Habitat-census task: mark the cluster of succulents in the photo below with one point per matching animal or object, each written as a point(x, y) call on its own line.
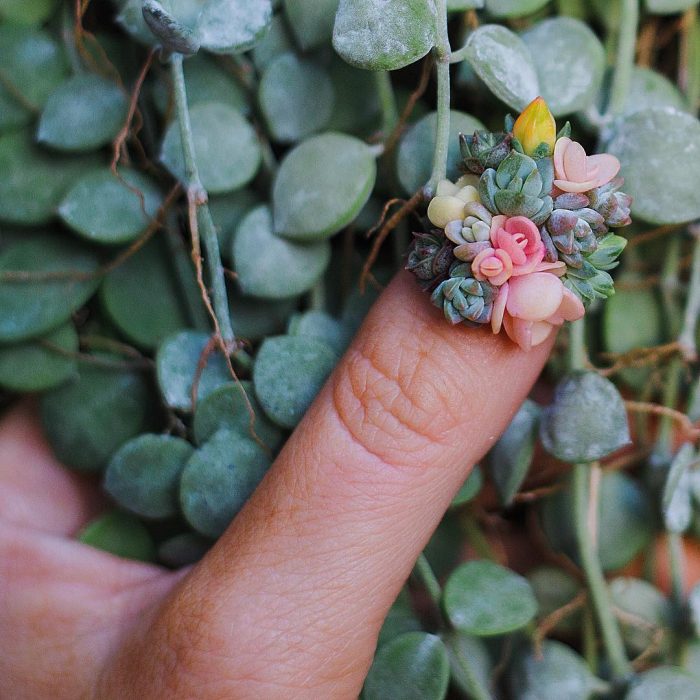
point(522, 240)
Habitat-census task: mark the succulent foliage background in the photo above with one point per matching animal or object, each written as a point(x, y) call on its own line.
point(199, 200)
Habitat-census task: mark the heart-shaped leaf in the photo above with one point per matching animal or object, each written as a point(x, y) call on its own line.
point(120, 534)
point(470, 488)
point(311, 22)
point(664, 682)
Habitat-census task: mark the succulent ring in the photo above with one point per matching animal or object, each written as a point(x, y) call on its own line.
point(522, 242)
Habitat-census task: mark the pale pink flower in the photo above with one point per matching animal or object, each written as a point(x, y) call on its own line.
point(516, 249)
point(574, 171)
point(529, 307)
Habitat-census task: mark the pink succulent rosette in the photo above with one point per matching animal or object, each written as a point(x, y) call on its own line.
point(574, 171)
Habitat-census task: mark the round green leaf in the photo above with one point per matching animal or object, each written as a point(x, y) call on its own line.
point(311, 22)
point(484, 599)
point(319, 324)
point(39, 364)
point(226, 147)
point(553, 589)
point(227, 211)
point(260, 256)
point(511, 456)
point(89, 418)
point(415, 154)
point(105, 208)
point(287, 375)
point(555, 674)
point(143, 475)
point(312, 197)
point(82, 113)
point(26, 11)
point(356, 105)
point(651, 89)
point(664, 682)
point(400, 619)
point(218, 479)
point(227, 26)
point(296, 97)
point(474, 681)
point(470, 488)
point(625, 521)
point(176, 367)
point(668, 7)
point(227, 407)
point(120, 534)
point(254, 319)
point(513, 8)
point(32, 63)
point(651, 144)
point(275, 42)
point(586, 420)
point(504, 62)
point(384, 34)
point(31, 308)
point(183, 550)
point(569, 60)
point(413, 666)
point(142, 296)
point(33, 182)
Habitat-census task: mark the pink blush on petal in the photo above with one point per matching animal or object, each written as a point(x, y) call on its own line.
point(575, 162)
point(559, 148)
point(607, 165)
point(519, 331)
point(568, 186)
point(571, 308)
point(534, 297)
point(499, 307)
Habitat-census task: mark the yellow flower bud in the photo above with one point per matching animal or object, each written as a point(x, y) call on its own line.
point(535, 126)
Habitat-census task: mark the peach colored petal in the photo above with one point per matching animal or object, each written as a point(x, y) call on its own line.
point(557, 268)
point(532, 262)
point(559, 148)
point(569, 186)
point(534, 297)
point(523, 225)
point(539, 332)
point(571, 308)
point(575, 162)
point(518, 331)
point(499, 307)
point(505, 272)
point(608, 166)
point(497, 223)
point(505, 241)
point(476, 263)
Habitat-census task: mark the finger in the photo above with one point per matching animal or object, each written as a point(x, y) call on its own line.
point(290, 601)
point(35, 490)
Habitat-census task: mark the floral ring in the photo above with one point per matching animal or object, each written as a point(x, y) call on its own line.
point(522, 242)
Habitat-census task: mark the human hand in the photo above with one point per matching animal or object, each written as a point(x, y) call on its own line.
point(290, 600)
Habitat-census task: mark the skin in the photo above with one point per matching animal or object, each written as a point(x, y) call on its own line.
point(289, 602)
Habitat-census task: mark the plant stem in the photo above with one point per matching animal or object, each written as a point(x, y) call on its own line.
point(597, 586)
point(578, 357)
point(624, 61)
point(692, 307)
point(197, 194)
point(442, 135)
point(677, 565)
point(464, 673)
point(590, 651)
point(387, 102)
point(425, 573)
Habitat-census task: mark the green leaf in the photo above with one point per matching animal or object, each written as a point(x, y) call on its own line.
point(648, 614)
point(694, 608)
point(384, 34)
point(218, 479)
point(254, 319)
point(226, 147)
point(312, 198)
point(311, 22)
point(143, 475)
point(625, 521)
point(82, 114)
point(586, 420)
point(470, 488)
point(668, 7)
point(33, 181)
point(183, 550)
point(504, 62)
point(39, 364)
point(232, 26)
point(554, 588)
point(414, 161)
point(275, 42)
point(173, 36)
point(142, 296)
point(463, 5)
point(271, 267)
point(664, 682)
point(88, 419)
point(356, 105)
point(32, 63)
point(287, 375)
point(296, 97)
point(31, 308)
point(511, 456)
point(177, 361)
point(513, 8)
point(570, 62)
point(399, 620)
point(106, 209)
point(651, 144)
point(557, 674)
point(413, 666)
point(470, 664)
point(677, 496)
point(228, 211)
point(26, 11)
point(319, 324)
point(651, 89)
point(120, 534)
point(484, 599)
point(229, 407)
